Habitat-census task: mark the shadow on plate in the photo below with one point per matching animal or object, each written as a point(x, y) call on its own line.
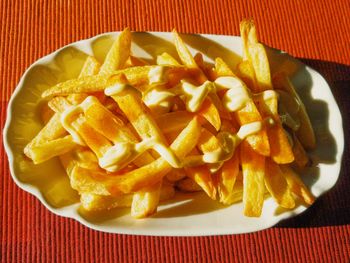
point(333, 207)
point(187, 204)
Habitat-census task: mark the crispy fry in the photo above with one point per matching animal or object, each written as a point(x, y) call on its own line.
point(166, 59)
point(226, 179)
point(280, 148)
point(135, 62)
point(47, 150)
point(297, 186)
point(277, 185)
point(305, 133)
point(249, 113)
point(91, 67)
point(248, 34)
point(260, 62)
point(145, 201)
point(206, 68)
point(253, 168)
point(154, 172)
point(236, 195)
point(259, 141)
point(201, 175)
point(137, 76)
point(185, 55)
point(52, 130)
point(93, 202)
point(222, 69)
point(209, 112)
point(118, 54)
point(245, 71)
point(173, 121)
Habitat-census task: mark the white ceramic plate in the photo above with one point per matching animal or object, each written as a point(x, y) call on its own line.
point(187, 215)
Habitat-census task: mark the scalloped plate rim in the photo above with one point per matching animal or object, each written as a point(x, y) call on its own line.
point(67, 212)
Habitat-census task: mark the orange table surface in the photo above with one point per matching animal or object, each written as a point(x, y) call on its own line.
point(317, 32)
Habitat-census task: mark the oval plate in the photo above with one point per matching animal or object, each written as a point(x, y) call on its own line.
point(187, 214)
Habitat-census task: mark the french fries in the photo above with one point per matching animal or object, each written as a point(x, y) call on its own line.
point(131, 133)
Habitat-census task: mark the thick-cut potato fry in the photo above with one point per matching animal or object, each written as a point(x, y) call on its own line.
point(47, 150)
point(255, 53)
point(166, 59)
point(209, 112)
point(208, 142)
point(258, 141)
point(183, 52)
point(202, 176)
point(249, 113)
point(144, 123)
point(154, 172)
point(260, 62)
point(145, 201)
point(185, 55)
point(245, 71)
point(97, 116)
point(51, 131)
point(297, 186)
point(280, 148)
point(206, 68)
point(222, 69)
point(94, 181)
point(91, 67)
point(237, 193)
point(137, 76)
point(93, 202)
point(81, 156)
point(135, 62)
point(188, 185)
point(96, 142)
point(305, 133)
point(173, 121)
point(226, 179)
point(277, 185)
point(253, 168)
point(248, 35)
point(118, 54)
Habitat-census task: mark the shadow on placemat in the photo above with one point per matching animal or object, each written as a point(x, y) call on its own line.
point(333, 208)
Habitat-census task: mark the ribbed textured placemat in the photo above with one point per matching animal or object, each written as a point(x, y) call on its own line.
point(318, 32)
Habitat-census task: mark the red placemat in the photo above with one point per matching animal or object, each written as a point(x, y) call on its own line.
point(318, 32)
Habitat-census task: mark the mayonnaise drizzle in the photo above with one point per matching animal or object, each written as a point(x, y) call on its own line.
point(155, 99)
point(237, 95)
point(121, 154)
point(67, 118)
point(195, 95)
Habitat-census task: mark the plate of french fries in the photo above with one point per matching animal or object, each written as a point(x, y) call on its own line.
point(171, 134)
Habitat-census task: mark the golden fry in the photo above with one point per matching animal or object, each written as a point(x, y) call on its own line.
point(277, 185)
point(253, 168)
point(118, 54)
